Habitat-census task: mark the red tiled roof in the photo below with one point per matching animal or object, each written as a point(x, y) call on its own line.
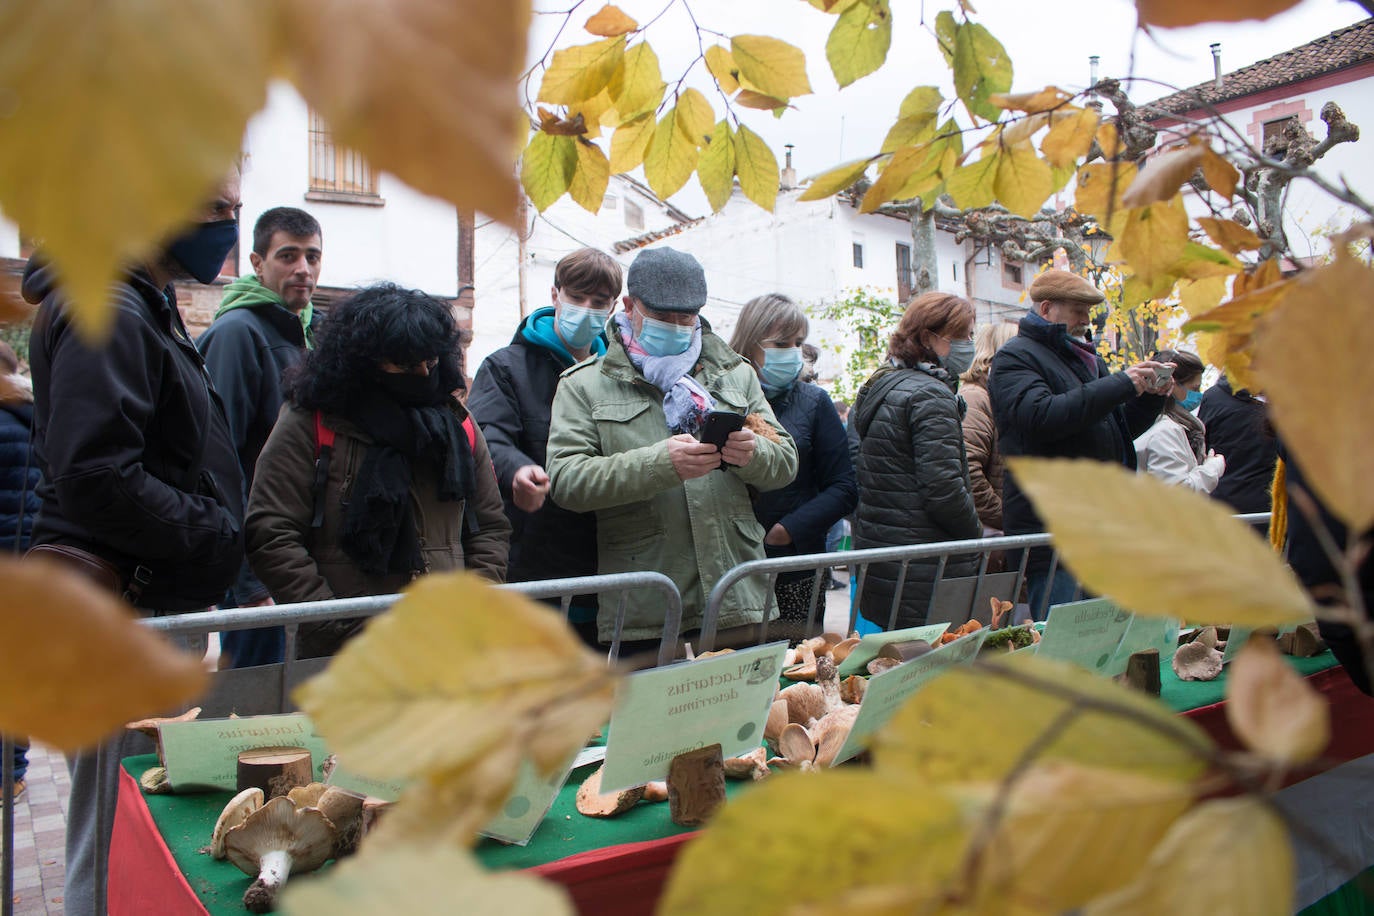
point(639, 241)
point(1342, 48)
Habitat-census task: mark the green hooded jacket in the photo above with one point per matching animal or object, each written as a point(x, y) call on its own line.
point(247, 292)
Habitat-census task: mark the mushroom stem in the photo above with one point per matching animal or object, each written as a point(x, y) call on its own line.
point(273, 870)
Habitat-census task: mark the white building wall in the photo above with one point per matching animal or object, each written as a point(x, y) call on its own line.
point(9, 239)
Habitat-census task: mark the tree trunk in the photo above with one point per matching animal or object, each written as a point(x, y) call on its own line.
point(925, 267)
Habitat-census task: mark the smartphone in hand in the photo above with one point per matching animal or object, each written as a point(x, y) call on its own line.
point(1164, 375)
point(718, 426)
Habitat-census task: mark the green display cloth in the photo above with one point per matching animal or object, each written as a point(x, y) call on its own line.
point(1354, 898)
point(185, 821)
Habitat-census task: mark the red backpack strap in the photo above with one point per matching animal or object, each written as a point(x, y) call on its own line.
point(324, 449)
point(471, 431)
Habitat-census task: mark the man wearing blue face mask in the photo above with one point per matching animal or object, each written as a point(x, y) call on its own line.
point(141, 486)
point(511, 399)
point(622, 444)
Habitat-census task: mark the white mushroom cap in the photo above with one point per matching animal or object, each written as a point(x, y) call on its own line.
point(1197, 661)
point(234, 813)
point(303, 833)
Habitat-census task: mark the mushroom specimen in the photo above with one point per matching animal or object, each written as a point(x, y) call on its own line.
point(274, 841)
point(234, 813)
point(592, 802)
point(1197, 661)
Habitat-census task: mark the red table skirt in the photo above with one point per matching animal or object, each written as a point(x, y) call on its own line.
point(623, 880)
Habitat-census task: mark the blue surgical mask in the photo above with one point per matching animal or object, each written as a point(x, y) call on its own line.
point(663, 338)
point(578, 325)
point(1192, 400)
point(960, 356)
point(203, 248)
point(781, 366)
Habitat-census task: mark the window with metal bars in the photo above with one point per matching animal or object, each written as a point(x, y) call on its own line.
point(336, 169)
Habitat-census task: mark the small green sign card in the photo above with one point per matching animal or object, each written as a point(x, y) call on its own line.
point(530, 799)
point(870, 645)
point(889, 690)
point(663, 712)
point(1086, 633)
point(202, 755)
point(1158, 633)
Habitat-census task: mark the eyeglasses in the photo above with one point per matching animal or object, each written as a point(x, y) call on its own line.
point(970, 337)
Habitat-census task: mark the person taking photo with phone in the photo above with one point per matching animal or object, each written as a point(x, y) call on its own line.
point(1174, 448)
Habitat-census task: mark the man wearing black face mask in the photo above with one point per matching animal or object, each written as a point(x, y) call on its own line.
point(141, 489)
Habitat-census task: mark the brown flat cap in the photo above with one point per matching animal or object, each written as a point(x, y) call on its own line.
point(1062, 286)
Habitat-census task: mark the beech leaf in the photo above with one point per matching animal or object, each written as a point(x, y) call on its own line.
point(1231, 855)
point(982, 69)
point(971, 185)
point(76, 172)
point(1172, 14)
point(906, 164)
point(1047, 99)
point(671, 157)
point(722, 65)
point(694, 116)
point(1221, 570)
point(835, 180)
point(772, 66)
point(1272, 708)
point(1109, 141)
point(547, 167)
point(1070, 137)
point(1099, 189)
point(1230, 234)
point(1153, 238)
point(610, 21)
point(756, 167)
point(581, 71)
point(716, 167)
point(637, 86)
point(593, 174)
point(75, 664)
point(1309, 344)
point(421, 878)
point(629, 143)
point(1023, 181)
point(748, 98)
point(1163, 176)
point(859, 41)
point(1220, 174)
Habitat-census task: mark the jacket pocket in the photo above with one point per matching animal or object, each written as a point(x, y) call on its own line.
point(749, 529)
point(624, 425)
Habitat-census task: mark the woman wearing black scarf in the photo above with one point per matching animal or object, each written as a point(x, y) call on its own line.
point(1174, 449)
point(406, 486)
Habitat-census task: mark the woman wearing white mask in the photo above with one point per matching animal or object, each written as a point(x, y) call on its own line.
point(770, 334)
point(1174, 449)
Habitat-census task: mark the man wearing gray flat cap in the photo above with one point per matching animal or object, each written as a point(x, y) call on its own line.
point(623, 443)
point(1054, 397)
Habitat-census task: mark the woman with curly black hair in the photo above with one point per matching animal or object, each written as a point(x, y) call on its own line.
point(374, 474)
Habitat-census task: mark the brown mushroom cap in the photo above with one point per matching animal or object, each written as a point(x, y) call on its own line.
point(304, 833)
point(234, 813)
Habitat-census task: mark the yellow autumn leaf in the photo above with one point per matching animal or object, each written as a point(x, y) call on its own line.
point(1230, 234)
point(1153, 238)
point(1201, 261)
point(1231, 855)
point(756, 167)
point(982, 69)
point(833, 181)
point(772, 66)
point(1071, 137)
point(629, 143)
point(1047, 99)
point(547, 167)
point(1070, 833)
point(581, 71)
point(1163, 176)
point(448, 127)
point(721, 63)
point(637, 85)
point(1023, 181)
point(670, 158)
point(593, 174)
point(1099, 189)
point(975, 724)
point(120, 121)
point(1220, 174)
point(748, 98)
point(1273, 709)
point(596, 112)
point(859, 41)
point(971, 185)
point(75, 665)
point(1172, 14)
point(1249, 300)
point(1013, 133)
point(1135, 291)
point(1109, 140)
point(424, 689)
point(694, 116)
point(1320, 408)
point(908, 132)
point(1220, 569)
point(716, 167)
point(749, 860)
point(610, 21)
point(1198, 296)
point(907, 163)
point(422, 880)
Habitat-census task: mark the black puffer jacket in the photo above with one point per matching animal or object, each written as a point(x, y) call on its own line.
point(1047, 402)
point(511, 399)
point(19, 478)
point(913, 484)
point(1238, 430)
point(119, 428)
point(824, 490)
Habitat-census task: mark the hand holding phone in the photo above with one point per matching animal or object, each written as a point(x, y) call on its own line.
point(718, 426)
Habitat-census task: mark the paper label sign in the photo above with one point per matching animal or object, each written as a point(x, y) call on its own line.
point(870, 645)
point(385, 789)
point(1086, 633)
point(886, 692)
point(202, 755)
point(1235, 641)
point(528, 802)
point(1142, 634)
point(663, 712)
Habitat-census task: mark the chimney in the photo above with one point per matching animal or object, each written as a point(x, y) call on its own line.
point(1092, 71)
point(789, 174)
point(1216, 65)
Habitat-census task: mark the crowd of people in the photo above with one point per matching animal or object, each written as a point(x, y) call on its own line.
point(289, 455)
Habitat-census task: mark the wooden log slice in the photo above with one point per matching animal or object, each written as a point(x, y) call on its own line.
point(696, 786)
point(275, 770)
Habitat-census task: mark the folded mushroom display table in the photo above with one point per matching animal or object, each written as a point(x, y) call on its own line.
point(618, 866)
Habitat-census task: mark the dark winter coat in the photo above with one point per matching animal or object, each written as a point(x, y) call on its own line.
point(19, 478)
point(119, 429)
point(512, 399)
point(913, 484)
point(298, 562)
point(825, 489)
point(1047, 402)
point(1238, 431)
point(246, 351)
